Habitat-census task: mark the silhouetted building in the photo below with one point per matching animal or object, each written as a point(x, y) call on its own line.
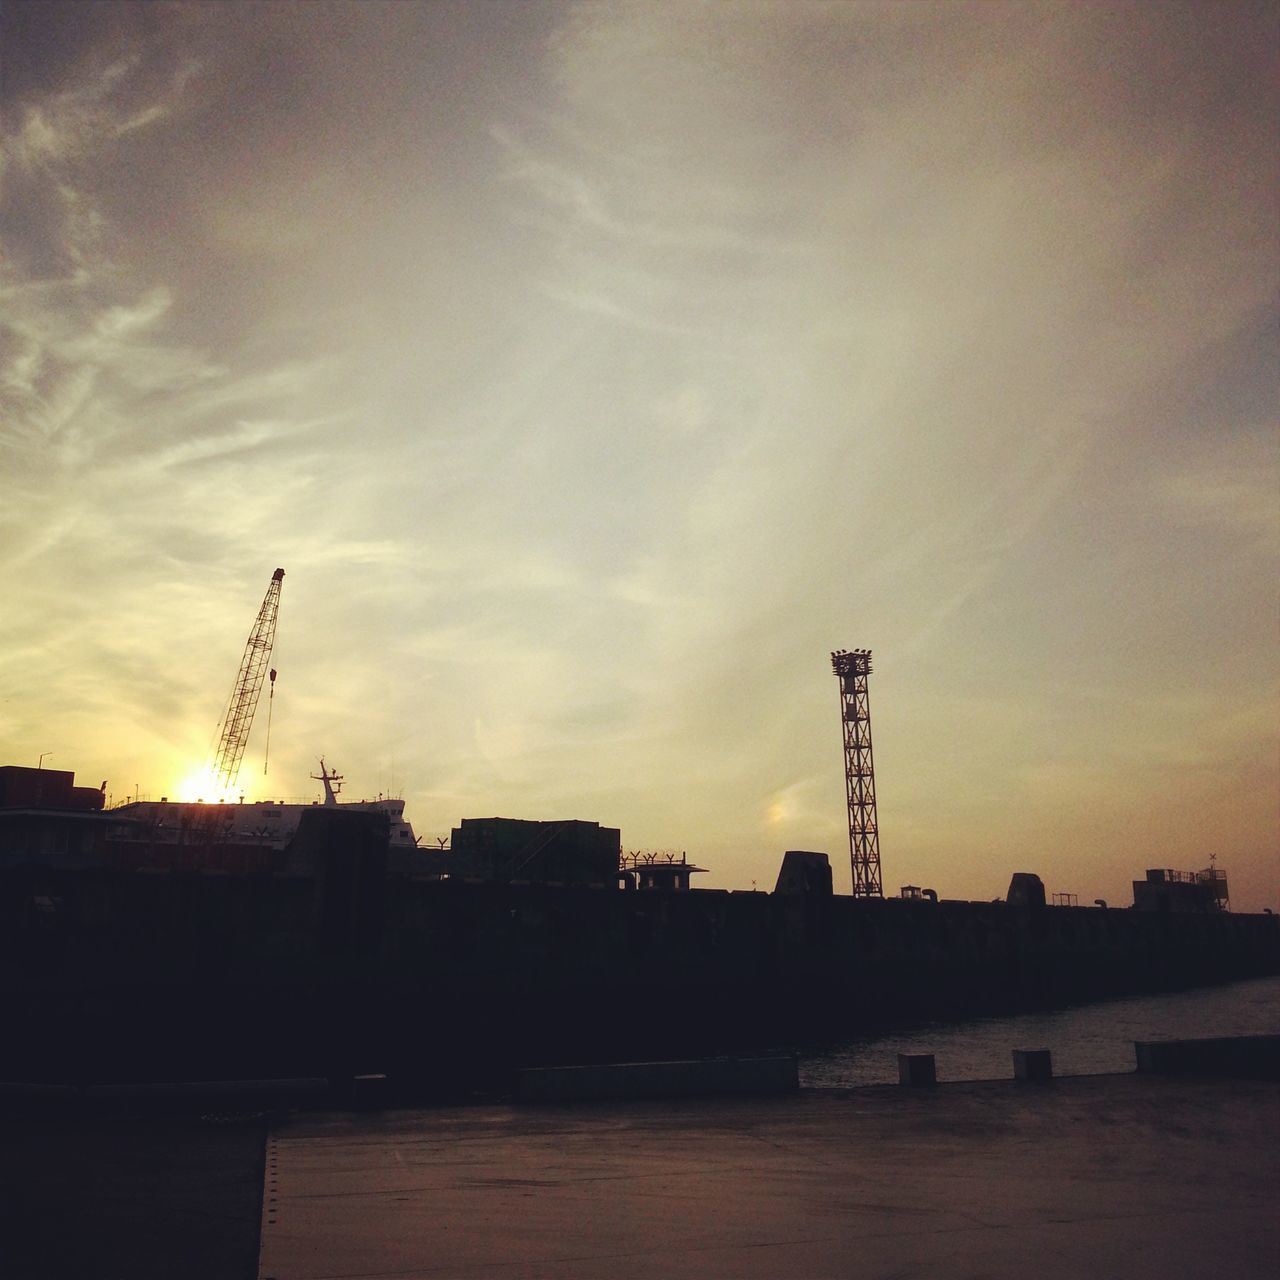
point(513, 849)
point(46, 789)
point(804, 872)
point(46, 818)
point(654, 870)
point(1026, 889)
point(1181, 891)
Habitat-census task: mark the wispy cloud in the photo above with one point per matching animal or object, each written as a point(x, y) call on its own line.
point(1231, 489)
point(591, 394)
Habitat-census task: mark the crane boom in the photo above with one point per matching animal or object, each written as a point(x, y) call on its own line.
point(247, 688)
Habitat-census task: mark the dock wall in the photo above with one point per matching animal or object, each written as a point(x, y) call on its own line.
point(342, 968)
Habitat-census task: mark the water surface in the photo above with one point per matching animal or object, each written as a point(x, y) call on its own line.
point(1084, 1040)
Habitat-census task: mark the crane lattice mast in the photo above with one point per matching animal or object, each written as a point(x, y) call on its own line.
point(248, 687)
point(853, 668)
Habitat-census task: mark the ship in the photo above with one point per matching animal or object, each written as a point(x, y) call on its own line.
point(45, 817)
point(248, 835)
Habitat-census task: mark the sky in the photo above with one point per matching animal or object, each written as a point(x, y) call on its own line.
point(594, 370)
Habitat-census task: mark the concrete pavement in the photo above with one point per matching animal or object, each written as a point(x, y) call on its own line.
point(1123, 1176)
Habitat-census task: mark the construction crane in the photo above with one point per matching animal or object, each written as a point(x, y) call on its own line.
point(247, 689)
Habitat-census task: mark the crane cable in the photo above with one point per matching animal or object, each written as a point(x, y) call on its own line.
point(271, 698)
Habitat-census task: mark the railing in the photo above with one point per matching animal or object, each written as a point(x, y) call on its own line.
point(213, 804)
point(637, 859)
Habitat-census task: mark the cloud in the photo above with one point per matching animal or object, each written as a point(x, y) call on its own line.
point(594, 370)
point(1230, 489)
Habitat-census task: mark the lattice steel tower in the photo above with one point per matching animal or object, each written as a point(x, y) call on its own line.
point(853, 667)
point(238, 719)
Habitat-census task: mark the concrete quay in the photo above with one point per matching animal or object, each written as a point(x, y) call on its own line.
point(1128, 1176)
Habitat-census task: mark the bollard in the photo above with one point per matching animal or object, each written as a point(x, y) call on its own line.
point(917, 1069)
point(1032, 1064)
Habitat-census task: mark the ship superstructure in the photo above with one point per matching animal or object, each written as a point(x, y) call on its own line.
point(265, 823)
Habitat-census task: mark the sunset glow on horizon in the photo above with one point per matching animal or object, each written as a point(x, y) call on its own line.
point(595, 370)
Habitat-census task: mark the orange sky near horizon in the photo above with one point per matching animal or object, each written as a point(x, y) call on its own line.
point(593, 371)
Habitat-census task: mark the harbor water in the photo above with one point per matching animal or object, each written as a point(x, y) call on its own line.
point(1085, 1040)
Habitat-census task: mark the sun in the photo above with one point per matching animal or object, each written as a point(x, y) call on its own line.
point(200, 783)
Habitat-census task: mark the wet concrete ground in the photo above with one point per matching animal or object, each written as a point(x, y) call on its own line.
point(1123, 1176)
point(124, 1194)
point(1117, 1176)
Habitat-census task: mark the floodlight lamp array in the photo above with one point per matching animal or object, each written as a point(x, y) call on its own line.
point(849, 662)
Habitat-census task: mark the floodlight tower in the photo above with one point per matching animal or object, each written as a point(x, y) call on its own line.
point(853, 667)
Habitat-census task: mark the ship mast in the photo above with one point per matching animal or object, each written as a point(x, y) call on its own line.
point(330, 791)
